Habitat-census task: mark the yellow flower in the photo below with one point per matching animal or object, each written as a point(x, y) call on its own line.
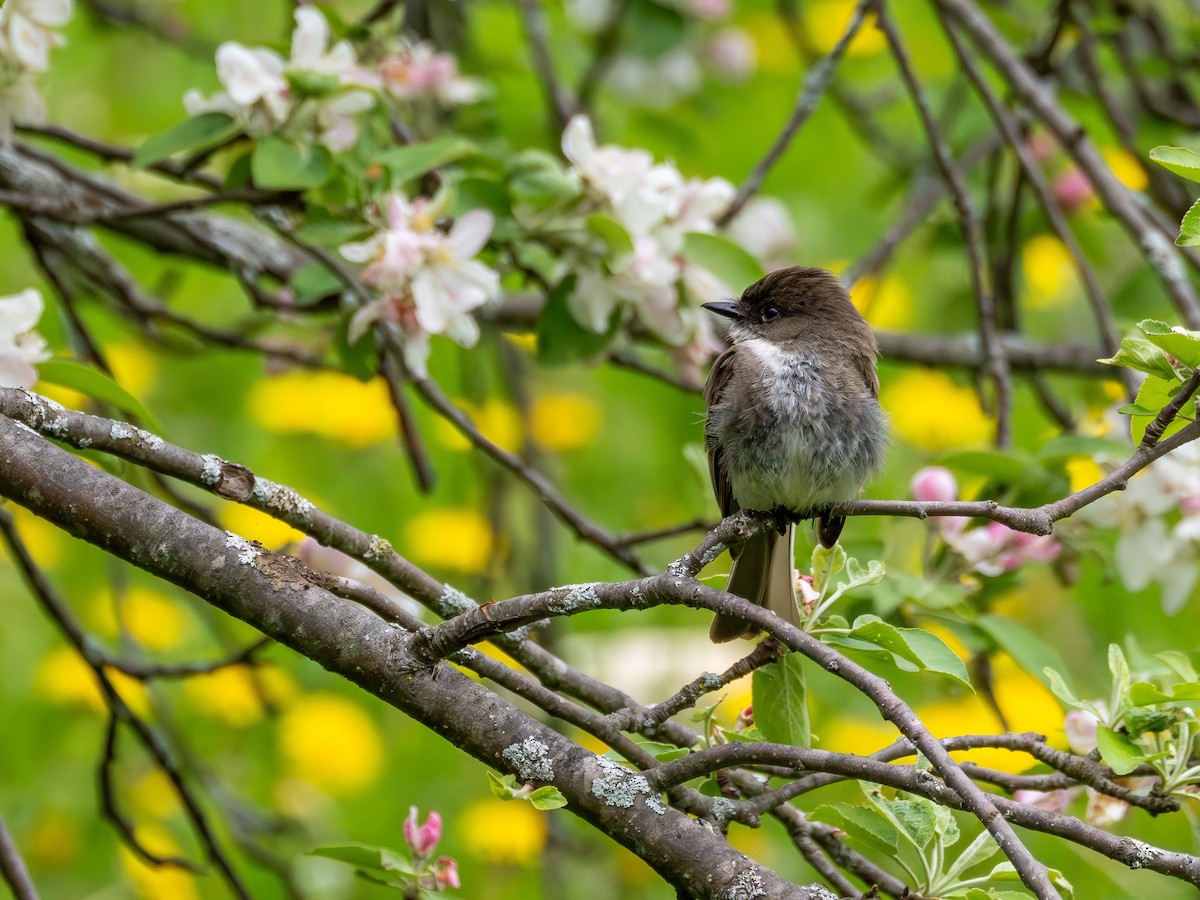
point(1127, 169)
point(827, 22)
point(153, 620)
point(68, 397)
point(564, 421)
point(1049, 271)
point(156, 882)
point(526, 340)
point(43, 540)
point(503, 831)
point(1028, 705)
point(63, 677)
point(133, 366)
point(53, 841)
point(495, 420)
point(236, 694)
point(331, 743)
point(458, 539)
point(774, 52)
point(329, 404)
point(153, 794)
point(255, 525)
point(931, 412)
point(1083, 471)
point(885, 304)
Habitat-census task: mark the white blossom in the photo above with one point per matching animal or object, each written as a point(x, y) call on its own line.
point(657, 207)
point(427, 278)
point(418, 70)
point(258, 93)
point(20, 346)
point(764, 227)
point(28, 32)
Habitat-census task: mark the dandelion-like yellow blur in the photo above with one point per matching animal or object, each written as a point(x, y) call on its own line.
point(931, 412)
point(564, 421)
point(328, 404)
point(458, 539)
point(331, 743)
point(508, 832)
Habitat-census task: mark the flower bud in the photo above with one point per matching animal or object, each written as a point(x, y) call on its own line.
point(934, 484)
point(422, 838)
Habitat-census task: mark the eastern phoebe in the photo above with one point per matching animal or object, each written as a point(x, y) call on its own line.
point(794, 425)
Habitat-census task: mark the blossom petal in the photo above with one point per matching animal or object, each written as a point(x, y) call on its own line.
point(470, 232)
point(309, 37)
point(578, 141)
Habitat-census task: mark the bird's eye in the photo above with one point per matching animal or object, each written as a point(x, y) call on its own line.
point(770, 314)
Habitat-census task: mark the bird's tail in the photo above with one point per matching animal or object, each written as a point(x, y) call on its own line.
point(762, 573)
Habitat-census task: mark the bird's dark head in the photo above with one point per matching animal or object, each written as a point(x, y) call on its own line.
point(799, 302)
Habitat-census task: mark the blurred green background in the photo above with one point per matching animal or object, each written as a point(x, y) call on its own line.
point(294, 756)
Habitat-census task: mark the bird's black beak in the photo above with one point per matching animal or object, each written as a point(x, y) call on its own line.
point(726, 308)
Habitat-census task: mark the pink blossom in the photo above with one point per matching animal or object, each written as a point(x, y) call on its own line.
point(445, 873)
point(732, 54)
point(1041, 146)
point(1080, 728)
point(1050, 801)
point(423, 839)
point(712, 10)
point(1073, 190)
point(420, 70)
point(934, 484)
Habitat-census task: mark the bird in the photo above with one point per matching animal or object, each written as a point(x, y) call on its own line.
point(793, 425)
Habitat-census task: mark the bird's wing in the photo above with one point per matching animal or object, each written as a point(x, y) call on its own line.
point(714, 388)
point(867, 366)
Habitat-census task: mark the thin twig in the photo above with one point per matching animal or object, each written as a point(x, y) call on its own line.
point(13, 869)
point(814, 87)
point(995, 362)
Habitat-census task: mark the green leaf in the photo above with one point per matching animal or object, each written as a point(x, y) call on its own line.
point(364, 856)
point(312, 84)
point(411, 160)
point(1180, 663)
point(651, 28)
point(1031, 653)
point(914, 819)
point(503, 786)
point(1058, 687)
point(1153, 394)
point(70, 374)
point(1138, 353)
point(1176, 340)
point(538, 178)
point(1139, 721)
point(548, 797)
point(984, 847)
point(926, 651)
point(1118, 751)
point(780, 698)
point(612, 233)
point(206, 130)
point(825, 563)
point(313, 282)
point(862, 824)
point(1189, 227)
point(1012, 467)
point(279, 165)
point(561, 339)
point(1179, 160)
point(1005, 872)
point(730, 262)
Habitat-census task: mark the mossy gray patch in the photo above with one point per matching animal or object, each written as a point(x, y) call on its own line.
point(531, 759)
